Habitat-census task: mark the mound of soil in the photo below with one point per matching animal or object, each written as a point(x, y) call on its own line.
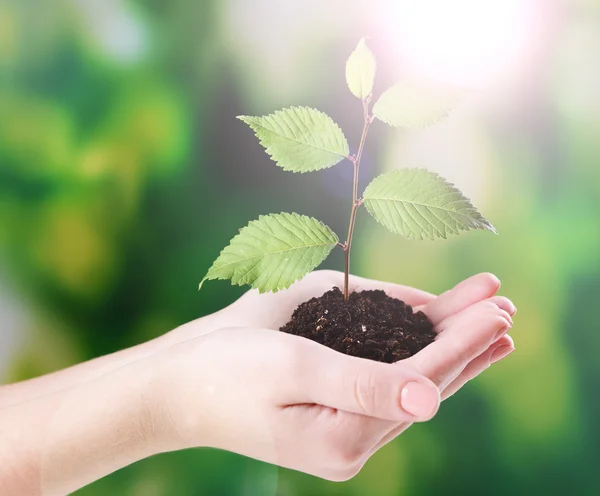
point(370, 325)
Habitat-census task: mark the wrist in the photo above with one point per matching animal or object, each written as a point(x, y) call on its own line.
point(187, 398)
point(179, 407)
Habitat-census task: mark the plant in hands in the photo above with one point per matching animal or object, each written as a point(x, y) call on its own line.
point(322, 412)
point(203, 384)
point(276, 250)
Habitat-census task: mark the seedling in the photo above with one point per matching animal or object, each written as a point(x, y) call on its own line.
point(276, 250)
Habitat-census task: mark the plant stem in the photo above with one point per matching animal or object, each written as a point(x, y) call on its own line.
point(356, 202)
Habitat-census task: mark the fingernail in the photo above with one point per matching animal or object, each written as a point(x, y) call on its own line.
point(420, 400)
point(501, 352)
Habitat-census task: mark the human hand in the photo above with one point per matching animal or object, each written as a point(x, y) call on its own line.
point(273, 310)
point(289, 401)
point(252, 390)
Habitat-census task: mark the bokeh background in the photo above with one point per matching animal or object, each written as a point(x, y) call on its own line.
point(123, 172)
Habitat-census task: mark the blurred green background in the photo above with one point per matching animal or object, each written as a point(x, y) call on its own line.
point(123, 172)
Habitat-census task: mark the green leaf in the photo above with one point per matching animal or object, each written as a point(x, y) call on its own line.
point(273, 252)
point(360, 70)
point(420, 204)
point(300, 139)
point(417, 103)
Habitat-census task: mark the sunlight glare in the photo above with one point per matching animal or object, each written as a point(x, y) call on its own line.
point(469, 42)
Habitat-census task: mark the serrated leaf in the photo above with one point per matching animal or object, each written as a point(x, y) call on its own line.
point(418, 204)
point(416, 103)
point(360, 70)
point(273, 252)
point(300, 139)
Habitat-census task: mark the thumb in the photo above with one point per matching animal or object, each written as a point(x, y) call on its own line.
point(391, 392)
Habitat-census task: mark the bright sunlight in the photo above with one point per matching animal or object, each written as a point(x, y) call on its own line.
point(467, 42)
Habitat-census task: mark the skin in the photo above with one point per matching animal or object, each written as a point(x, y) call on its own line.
point(231, 381)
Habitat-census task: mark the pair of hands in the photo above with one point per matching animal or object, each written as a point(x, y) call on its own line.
point(232, 381)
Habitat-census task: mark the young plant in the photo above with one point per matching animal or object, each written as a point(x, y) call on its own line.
point(276, 250)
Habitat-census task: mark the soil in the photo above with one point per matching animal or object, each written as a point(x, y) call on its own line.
point(370, 325)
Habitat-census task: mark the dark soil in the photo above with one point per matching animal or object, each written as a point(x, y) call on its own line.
point(370, 325)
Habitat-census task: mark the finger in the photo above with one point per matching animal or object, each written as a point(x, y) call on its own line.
point(411, 296)
point(463, 295)
point(493, 354)
point(504, 347)
point(470, 334)
point(366, 387)
point(497, 352)
point(476, 367)
point(503, 303)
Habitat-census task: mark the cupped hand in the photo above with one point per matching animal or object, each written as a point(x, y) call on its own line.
point(239, 384)
point(232, 381)
point(273, 310)
point(286, 400)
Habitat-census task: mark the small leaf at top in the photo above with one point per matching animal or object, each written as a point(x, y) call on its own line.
point(273, 252)
point(360, 70)
point(418, 204)
point(300, 139)
point(417, 103)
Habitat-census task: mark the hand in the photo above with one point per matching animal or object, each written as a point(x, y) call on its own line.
point(252, 390)
point(273, 310)
point(289, 401)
